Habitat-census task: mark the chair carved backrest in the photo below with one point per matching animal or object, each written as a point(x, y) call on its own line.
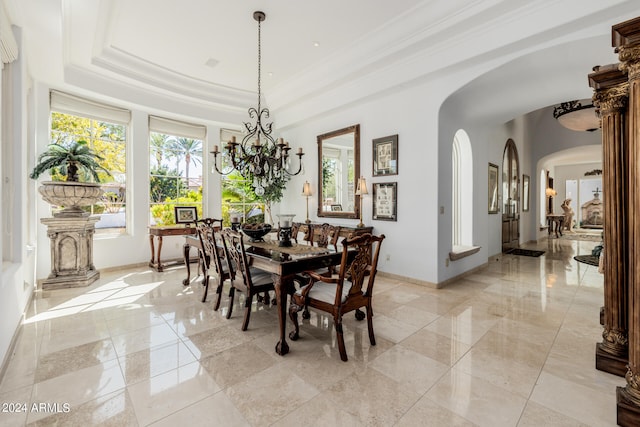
point(295, 230)
point(206, 230)
point(364, 264)
point(233, 242)
point(324, 235)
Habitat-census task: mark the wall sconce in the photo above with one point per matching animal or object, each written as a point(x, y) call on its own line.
point(306, 191)
point(361, 190)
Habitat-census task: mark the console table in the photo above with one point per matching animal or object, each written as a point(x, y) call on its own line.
point(555, 221)
point(159, 232)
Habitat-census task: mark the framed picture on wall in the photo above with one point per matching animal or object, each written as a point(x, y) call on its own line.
point(385, 201)
point(493, 188)
point(186, 214)
point(525, 193)
point(385, 156)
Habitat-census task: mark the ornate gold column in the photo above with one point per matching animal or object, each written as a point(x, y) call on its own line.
point(610, 97)
point(626, 40)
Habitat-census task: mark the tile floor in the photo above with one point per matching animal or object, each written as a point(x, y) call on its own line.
point(510, 345)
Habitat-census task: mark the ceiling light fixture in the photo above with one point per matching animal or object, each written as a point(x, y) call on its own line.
point(579, 115)
point(259, 157)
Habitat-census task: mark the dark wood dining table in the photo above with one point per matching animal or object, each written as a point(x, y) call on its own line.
point(283, 264)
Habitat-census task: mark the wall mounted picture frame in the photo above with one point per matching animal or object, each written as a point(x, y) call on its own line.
point(186, 214)
point(385, 156)
point(525, 193)
point(385, 201)
point(493, 189)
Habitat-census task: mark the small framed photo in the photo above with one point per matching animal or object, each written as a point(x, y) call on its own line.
point(336, 208)
point(385, 156)
point(186, 214)
point(385, 201)
point(493, 188)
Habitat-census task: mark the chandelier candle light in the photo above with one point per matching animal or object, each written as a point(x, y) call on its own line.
point(259, 156)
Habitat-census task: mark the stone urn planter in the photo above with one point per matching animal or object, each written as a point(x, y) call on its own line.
point(72, 196)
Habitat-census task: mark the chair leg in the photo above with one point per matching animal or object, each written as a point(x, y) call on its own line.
point(372, 337)
point(216, 306)
point(232, 293)
point(340, 336)
point(248, 301)
point(205, 282)
point(293, 315)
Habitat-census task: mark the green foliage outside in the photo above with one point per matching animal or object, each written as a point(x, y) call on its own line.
point(164, 214)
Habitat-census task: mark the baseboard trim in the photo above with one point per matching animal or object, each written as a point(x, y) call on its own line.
point(428, 284)
point(14, 339)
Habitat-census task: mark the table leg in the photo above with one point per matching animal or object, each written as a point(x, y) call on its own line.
point(282, 347)
point(153, 251)
point(185, 250)
point(159, 251)
point(560, 224)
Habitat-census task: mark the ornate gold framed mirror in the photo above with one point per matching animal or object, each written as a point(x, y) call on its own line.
point(338, 172)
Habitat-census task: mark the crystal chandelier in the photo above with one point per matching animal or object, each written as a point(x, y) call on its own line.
point(259, 157)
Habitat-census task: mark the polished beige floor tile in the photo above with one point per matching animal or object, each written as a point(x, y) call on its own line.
point(270, 394)
point(146, 364)
point(83, 356)
point(438, 347)
point(114, 409)
point(214, 341)
point(164, 394)
point(412, 370)
point(216, 410)
point(428, 413)
point(15, 406)
point(143, 339)
point(535, 415)
point(477, 400)
point(237, 363)
point(320, 411)
point(362, 394)
point(77, 387)
point(582, 403)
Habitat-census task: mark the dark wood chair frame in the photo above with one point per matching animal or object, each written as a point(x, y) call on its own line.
point(208, 231)
point(238, 262)
point(363, 265)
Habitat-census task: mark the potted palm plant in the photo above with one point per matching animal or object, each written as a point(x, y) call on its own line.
point(71, 160)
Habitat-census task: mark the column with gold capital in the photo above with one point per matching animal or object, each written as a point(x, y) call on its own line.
point(610, 97)
point(626, 40)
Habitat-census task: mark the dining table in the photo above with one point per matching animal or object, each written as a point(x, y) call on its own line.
point(284, 263)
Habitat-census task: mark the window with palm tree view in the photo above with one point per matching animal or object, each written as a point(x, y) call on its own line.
point(175, 175)
point(109, 140)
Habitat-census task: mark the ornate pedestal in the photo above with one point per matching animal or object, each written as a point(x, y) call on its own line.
point(71, 252)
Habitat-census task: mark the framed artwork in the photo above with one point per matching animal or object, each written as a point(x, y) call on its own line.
point(186, 214)
point(385, 201)
point(336, 208)
point(525, 193)
point(493, 188)
point(385, 156)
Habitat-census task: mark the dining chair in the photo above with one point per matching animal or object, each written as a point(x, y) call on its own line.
point(245, 279)
point(211, 253)
point(338, 295)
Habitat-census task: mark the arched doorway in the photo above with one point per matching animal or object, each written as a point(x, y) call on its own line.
point(510, 197)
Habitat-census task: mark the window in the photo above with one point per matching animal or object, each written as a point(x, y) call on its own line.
point(237, 192)
point(175, 150)
point(104, 128)
point(462, 191)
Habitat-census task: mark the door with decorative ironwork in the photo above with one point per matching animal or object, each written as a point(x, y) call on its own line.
point(510, 197)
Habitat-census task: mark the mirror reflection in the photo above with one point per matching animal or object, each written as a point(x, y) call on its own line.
point(338, 169)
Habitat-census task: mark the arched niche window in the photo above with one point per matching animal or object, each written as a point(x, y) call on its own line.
point(462, 191)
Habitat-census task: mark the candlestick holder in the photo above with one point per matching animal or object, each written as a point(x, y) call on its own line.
point(284, 234)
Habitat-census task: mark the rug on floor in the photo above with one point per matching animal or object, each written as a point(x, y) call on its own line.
point(523, 252)
point(582, 236)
